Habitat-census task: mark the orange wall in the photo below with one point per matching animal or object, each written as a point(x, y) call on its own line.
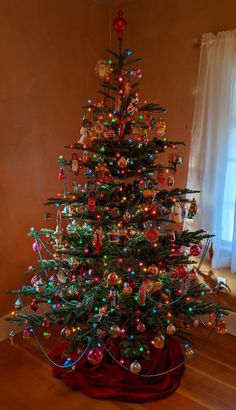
point(162, 32)
point(48, 50)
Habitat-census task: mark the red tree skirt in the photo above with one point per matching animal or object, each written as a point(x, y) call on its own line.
point(111, 381)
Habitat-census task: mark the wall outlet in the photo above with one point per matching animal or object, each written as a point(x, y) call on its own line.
point(221, 279)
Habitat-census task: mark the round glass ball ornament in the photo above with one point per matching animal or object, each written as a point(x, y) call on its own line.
point(120, 24)
point(195, 250)
point(135, 367)
point(115, 331)
point(127, 290)
point(68, 365)
point(171, 329)
point(95, 356)
point(159, 342)
point(65, 332)
point(36, 246)
point(141, 327)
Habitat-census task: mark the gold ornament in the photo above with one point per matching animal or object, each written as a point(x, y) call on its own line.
point(170, 181)
point(115, 331)
point(188, 352)
point(79, 209)
point(148, 193)
point(102, 69)
point(221, 327)
point(192, 209)
point(118, 103)
point(160, 126)
point(170, 330)
point(112, 279)
point(157, 285)
point(126, 216)
point(101, 333)
point(99, 129)
point(152, 270)
point(136, 130)
point(127, 291)
point(114, 236)
point(122, 162)
point(159, 341)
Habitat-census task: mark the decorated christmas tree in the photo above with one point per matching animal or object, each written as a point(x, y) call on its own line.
point(118, 275)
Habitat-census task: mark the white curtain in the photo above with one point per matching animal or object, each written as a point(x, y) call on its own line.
point(212, 164)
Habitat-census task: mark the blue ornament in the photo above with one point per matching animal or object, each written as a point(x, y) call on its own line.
point(68, 363)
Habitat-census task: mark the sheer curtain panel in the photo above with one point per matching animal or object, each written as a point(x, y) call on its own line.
point(212, 163)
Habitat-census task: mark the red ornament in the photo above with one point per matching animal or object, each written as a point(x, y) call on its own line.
point(61, 174)
point(111, 279)
point(108, 133)
point(151, 235)
point(98, 240)
point(26, 333)
point(141, 327)
point(181, 271)
point(120, 24)
point(46, 322)
point(91, 202)
point(195, 250)
point(192, 274)
point(95, 356)
point(34, 305)
point(142, 295)
point(161, 177)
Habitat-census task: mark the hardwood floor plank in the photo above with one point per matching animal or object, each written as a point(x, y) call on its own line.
point(211, 393)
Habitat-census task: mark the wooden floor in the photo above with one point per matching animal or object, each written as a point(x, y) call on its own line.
point(26, 381)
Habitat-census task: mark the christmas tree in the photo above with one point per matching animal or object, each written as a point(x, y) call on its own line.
point(121, 278)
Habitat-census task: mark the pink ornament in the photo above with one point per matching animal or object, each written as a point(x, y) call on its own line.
point(35, 279)
point(36, 246)
point(95, 356)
